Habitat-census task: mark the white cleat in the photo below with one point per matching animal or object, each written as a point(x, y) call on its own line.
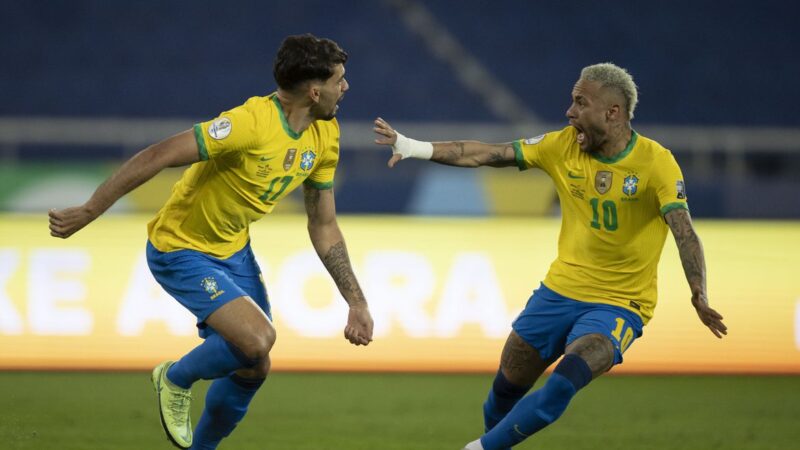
point(474, 445)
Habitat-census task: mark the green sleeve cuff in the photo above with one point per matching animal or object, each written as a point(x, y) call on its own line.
point(318, 186)
point(201, 142)
point(518, 156)
point(671, 206)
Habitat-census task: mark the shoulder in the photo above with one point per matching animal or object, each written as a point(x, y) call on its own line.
point(328, 129)
point(651, 146)
point(330, 126)
point(654, 151)
point(560, 137)
point(254, 113)
point(567, 133)
point(259, 106)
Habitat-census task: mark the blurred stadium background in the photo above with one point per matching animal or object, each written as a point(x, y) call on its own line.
point(447, 256)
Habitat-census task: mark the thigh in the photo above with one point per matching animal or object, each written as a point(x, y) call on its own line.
point(545, 323)
point(247, 274)
point(520, 362)
point(612, 330)
point(202, 284)
point(242, 323)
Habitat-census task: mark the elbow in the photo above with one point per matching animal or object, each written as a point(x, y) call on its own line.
point(312, 227)
point(317, 227)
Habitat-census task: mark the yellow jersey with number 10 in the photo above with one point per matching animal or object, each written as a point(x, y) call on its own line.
point(612, 228)
point(251, 159)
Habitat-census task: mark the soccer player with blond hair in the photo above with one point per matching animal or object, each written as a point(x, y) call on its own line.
point(619, 193)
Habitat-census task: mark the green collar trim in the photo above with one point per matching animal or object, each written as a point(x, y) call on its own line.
point(292, 134)
point(619, 156)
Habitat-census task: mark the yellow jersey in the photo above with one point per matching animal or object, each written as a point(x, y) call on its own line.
point(612, 228)
point(250, 160)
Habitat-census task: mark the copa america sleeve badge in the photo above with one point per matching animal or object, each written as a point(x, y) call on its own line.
point(681, 188)
point(220, 128)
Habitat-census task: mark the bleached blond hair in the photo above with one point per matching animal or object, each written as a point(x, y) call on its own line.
point(610, 75)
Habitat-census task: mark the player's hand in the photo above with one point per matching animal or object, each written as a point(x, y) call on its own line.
point(359, 325)
point(387, 136)
point(710, 318)
point(66, 222)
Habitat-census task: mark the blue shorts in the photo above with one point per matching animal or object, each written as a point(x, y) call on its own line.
point(550, 322)
point(202, 283)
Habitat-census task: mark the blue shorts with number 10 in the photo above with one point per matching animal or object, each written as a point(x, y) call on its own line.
point(550, 322)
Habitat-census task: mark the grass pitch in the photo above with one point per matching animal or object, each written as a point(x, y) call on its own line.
point(86, 411)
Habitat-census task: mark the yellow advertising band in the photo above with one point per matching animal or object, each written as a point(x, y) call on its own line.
point(443, 293)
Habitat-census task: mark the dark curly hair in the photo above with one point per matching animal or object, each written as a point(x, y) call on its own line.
point(306, 57)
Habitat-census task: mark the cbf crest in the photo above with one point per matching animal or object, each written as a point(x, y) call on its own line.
point(630, 185)
point(307, 159)
point(602, 181)
point(209, 284)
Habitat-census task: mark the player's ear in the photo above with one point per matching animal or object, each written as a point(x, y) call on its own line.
point(314, 92)
point(613, 113)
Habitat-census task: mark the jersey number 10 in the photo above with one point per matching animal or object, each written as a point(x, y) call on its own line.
point(609, 214)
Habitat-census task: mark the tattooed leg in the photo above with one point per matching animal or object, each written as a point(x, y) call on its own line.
point(520, 366)
point(521, 363)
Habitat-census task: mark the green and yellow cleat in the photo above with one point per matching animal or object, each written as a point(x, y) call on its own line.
point(173, 407)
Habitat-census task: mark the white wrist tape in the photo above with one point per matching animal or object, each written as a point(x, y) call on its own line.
point(412, 148)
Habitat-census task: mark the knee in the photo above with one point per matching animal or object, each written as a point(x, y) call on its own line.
point(597, 350)
point(518, 375)
point(259, 371)
point(505, 387)
point(258, 343)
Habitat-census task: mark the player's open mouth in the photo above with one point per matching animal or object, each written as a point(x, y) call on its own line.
point(581, 136)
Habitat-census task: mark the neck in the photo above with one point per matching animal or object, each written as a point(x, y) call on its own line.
point(618, 138)
point(297, 112)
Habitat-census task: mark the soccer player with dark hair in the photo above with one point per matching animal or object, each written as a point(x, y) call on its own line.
point(619, 192)
point(242, 164)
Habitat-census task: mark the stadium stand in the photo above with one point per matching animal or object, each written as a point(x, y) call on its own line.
point(88, 82)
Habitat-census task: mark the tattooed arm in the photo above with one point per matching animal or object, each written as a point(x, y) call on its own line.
point(473, 154)
point(694, 266)
point(454, 153)
point(329, 244)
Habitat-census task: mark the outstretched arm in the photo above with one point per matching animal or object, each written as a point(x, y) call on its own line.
point(179, 150)
point(694, 266)
point(452, 153)
point(329, 244)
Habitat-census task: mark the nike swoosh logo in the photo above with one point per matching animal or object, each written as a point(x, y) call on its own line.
point(264, 158)
point(571, 175)
point(516, 429)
